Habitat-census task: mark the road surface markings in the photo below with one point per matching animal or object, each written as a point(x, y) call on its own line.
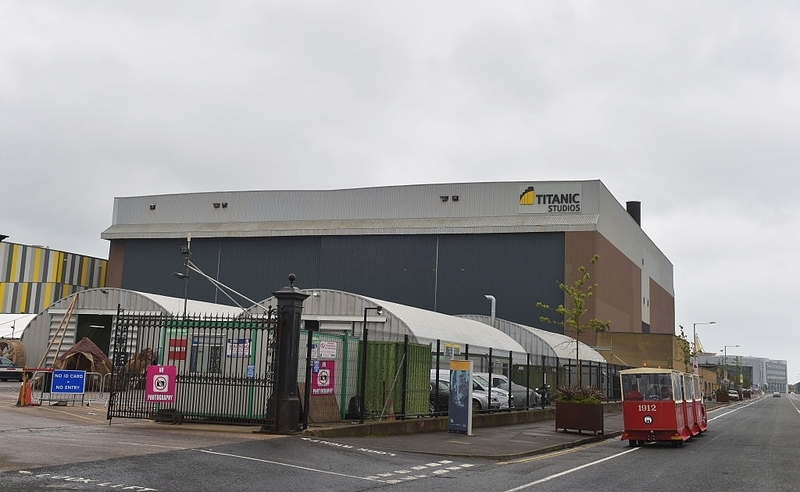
point(398, 476)
point(86, 481)
point(288, 465)
point(571, 470)
point(736, 408)
point(435, 468)
point(553, 454)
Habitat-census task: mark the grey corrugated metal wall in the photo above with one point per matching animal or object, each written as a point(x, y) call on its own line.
point(518, 269)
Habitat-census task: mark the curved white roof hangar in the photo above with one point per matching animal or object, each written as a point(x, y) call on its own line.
point(344, 311)
point(429, 326)
point(541, 342)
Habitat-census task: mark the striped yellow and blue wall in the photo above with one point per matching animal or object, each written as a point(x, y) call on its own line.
point(32, 277)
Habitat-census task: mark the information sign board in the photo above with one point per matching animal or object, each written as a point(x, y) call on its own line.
point(68, 381)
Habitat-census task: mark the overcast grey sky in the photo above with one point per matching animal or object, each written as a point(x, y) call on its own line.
point(689, 107)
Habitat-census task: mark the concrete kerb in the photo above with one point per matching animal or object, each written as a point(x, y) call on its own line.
point(430, 437)
point(425, 424)
point(438, 424)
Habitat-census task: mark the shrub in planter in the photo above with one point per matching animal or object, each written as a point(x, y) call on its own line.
point(579, 408)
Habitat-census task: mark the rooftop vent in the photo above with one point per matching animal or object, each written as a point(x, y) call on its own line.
point(635, 211)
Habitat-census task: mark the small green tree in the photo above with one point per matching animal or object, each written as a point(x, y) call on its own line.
point(686, 352)
point(577, 293)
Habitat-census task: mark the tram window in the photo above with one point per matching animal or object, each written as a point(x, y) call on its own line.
point(630, 388)
point(677, 387)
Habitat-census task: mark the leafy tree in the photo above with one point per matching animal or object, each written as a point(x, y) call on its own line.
point(686, 352)
point(577, 293)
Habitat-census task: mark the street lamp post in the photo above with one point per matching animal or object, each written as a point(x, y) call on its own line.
point(187, 254)
point(364, 335)
point(694, 342)
point(725, 361)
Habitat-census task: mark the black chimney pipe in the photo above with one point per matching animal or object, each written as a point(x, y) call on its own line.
point(635, 211)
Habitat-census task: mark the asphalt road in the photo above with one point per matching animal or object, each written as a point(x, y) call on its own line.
point(749, 446)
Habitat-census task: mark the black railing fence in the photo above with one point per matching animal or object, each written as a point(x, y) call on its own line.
point(225, 372)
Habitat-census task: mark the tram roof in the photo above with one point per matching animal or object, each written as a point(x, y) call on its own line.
point(648, 370)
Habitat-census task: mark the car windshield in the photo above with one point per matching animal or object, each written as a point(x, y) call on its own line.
point(480, 381)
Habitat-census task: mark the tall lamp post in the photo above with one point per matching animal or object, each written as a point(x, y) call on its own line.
point(725, 361)
point(364, 335)
point(187, 253)
point(694, 342)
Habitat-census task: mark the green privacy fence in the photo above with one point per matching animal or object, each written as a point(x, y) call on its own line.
point(398, 377)
point(396, 384)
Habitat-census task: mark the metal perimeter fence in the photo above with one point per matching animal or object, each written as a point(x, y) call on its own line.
point(226, 373)
point(398, 376)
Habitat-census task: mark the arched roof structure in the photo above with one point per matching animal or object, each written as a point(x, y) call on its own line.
point(101, 302)
point(541, 342)
point(343, 311)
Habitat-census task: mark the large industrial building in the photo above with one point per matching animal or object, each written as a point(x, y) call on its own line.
point(438, 247)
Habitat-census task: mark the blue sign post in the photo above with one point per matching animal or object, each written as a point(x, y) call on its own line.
point(68, 381)
point(460, 408)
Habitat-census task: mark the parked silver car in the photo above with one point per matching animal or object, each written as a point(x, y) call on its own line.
point(481, 400)
point(505, 396)
point(520, 393)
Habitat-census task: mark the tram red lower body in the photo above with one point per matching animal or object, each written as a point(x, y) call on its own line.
point(655, 421)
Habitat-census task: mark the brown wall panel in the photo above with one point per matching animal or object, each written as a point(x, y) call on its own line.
point(116, 259)
point(662, 310)
point(638, 350)
point(617, 297)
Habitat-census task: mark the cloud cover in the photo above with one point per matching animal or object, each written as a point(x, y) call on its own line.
point(689, 108)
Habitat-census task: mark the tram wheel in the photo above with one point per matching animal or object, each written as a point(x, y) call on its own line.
point(633, 443)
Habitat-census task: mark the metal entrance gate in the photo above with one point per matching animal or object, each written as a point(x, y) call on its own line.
point(225, 368)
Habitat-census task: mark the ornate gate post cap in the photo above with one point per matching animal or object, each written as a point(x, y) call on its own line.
point(290, 291)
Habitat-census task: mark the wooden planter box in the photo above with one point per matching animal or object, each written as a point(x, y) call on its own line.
point(579, 416)
point(722, 397)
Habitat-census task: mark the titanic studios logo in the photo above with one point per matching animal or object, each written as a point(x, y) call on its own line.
point(550, 200)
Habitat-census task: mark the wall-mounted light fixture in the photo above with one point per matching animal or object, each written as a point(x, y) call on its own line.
point(455, 198)
point(444, 198)
point(152, 206)
point(216, 204)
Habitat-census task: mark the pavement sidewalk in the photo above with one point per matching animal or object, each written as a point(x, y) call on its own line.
point(497, 443)
point(502, 442)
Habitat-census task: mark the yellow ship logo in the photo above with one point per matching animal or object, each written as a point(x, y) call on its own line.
point(527, 197)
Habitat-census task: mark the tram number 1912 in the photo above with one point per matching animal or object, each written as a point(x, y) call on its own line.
point(647, 408)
